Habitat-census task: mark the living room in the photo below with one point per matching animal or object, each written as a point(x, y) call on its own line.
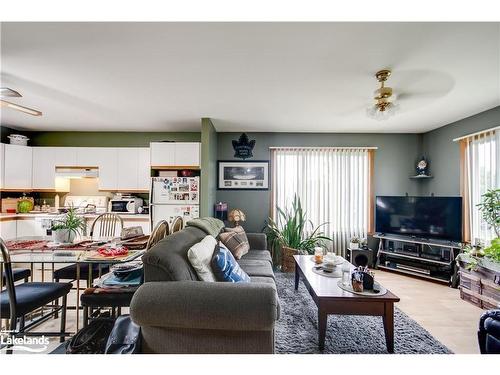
point(333, 185)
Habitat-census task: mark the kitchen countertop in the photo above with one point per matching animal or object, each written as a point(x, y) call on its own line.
point(5, 216)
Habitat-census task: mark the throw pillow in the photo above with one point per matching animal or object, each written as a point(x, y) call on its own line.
point(200, 255)
point(226, 268)
point(235, 240)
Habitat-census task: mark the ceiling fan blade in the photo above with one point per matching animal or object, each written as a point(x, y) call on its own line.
point(421, 95)
point(6, 92)
point(17, 107)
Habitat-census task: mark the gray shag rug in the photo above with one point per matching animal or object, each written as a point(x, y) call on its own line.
point(297, 328)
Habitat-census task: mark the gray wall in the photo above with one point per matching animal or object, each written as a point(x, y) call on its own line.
point(394, 163)
point(444, 154)
point(208, 182)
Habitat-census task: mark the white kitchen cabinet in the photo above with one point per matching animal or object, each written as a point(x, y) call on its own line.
point(17, 167)
point(30, 227)
point(133, 169)
point(44, 167)
point(2, 156)
point(108, 168)
point(8, 229)
point(162, 154)
point(187, 154)
point(178, 154)
point(143, 168)
point(128, 165)
point(66, 156)
point(89, 156)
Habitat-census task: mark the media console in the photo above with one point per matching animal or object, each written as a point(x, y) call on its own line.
point(430, 259)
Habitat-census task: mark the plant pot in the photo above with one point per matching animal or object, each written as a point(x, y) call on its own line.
point(63, 236)
point(287, 261)
point(354, 245)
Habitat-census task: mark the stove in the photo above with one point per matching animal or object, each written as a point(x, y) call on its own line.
point(87, 204)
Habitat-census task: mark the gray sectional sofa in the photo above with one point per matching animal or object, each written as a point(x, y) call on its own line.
point(180, 314)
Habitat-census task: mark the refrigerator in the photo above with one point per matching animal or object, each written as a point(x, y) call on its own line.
point(174, 196)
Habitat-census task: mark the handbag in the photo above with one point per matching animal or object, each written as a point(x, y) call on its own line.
point(125, 338)
point(92, 338)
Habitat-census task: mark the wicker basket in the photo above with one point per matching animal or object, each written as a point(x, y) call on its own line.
point(287, 261)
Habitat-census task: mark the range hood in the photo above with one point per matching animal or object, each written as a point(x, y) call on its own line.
point(77, 172)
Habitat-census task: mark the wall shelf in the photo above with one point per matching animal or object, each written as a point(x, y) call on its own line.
point(420, 177)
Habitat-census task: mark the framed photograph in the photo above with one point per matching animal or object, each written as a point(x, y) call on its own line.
point(243, 175)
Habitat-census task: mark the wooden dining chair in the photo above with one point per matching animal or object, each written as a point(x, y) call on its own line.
point(160, 231)
point(104, 225)
point(18, 300)
point(177, 224)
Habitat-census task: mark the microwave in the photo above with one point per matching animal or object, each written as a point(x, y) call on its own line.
point(125, 205)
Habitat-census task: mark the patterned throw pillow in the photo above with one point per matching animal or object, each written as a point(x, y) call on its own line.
point(226, 268)
point(235, 240)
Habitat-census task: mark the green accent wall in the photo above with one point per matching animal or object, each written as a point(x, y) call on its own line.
point(108, 139)
point(444, 154)
point(208, 183)
point(99, 139)
point(394, 163)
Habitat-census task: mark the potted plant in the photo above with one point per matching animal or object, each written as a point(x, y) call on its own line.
point(65, 230)
point(354, 243)
point(289, 235)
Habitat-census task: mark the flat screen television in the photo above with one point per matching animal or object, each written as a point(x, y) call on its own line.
point(423, 217)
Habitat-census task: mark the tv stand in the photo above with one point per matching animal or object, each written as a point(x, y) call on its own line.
point(427, 258)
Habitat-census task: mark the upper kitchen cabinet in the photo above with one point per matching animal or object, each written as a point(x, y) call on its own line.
point(44, 167)
point(17, 167)
point(2, 164)
point(187, 154)
point(133, 169)
point(66, 156)
point(108, 168)
point(90, 156)
point(175, 154)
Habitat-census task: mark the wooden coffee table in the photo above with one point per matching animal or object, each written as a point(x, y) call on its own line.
point(331, 299)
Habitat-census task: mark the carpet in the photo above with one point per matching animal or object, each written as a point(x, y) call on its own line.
point(297, 328)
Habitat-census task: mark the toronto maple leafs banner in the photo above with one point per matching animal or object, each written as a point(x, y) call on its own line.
point(243, 147)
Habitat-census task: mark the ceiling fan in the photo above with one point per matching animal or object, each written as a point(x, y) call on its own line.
point(384, 106)
point(6, 92)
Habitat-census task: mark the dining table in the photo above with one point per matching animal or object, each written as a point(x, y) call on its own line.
point(83, 251)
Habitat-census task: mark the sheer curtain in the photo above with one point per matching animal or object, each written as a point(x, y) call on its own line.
point(482, 173)
point(333, 185)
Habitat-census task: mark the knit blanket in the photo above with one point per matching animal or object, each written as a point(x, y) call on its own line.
point(210, 225)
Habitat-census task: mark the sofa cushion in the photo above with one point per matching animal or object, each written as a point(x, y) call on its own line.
point(257, 267)
point(226, 268)
point(200, 256)
point(168, 261)
point(235, 239)
point(258, 255)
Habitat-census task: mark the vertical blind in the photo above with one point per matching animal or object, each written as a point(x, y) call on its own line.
point(482, 171)
point(333, 185)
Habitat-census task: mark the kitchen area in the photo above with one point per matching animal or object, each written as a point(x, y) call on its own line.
point(140, 184)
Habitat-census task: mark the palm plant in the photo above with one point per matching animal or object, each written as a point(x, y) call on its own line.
point(71, 225)
point(490, 209)
point(291, 230)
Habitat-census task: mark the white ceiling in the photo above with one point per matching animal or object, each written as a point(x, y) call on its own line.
point(287, 77)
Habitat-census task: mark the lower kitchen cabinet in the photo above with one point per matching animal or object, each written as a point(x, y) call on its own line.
point(30, 227)
point(8, 229)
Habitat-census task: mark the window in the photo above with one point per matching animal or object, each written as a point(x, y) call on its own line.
point(480, 172)
point(334, 185)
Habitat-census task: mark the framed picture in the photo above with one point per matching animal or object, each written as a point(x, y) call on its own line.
point(243, 175)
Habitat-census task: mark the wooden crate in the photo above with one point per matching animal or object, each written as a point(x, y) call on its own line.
point(480, 287)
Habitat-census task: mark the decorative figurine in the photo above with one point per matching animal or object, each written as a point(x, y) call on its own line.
point(422, 167)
